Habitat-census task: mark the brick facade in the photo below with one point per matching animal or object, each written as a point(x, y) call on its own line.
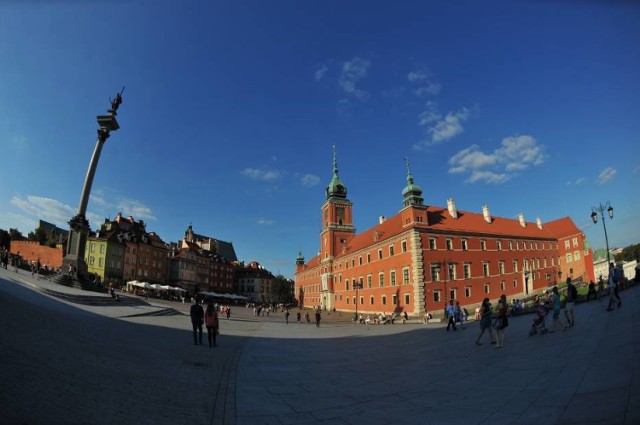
point(32, 251)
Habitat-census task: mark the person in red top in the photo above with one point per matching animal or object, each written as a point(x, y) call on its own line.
point(212, 323)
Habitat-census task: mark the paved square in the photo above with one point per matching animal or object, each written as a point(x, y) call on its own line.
point(77, 357)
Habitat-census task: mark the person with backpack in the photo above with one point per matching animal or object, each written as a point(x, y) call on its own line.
point(614, 282)
point(572, 296)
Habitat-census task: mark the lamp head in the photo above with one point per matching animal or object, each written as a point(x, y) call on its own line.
point(610, 211)
point(594, 216)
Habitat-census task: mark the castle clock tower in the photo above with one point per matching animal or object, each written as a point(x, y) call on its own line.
point(337, 231)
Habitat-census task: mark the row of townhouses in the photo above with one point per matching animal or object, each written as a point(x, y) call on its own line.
point(122, 251)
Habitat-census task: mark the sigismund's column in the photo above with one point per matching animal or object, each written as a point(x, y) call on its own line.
point(79, 225)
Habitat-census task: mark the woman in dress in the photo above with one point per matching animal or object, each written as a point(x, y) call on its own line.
point(485, 321)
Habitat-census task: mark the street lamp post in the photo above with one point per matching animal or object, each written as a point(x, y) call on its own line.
point(445, 268)
point(594, 216)
point(357, 286)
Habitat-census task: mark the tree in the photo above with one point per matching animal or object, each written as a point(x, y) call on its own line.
point(15, 235)
point(281, 289)
point(5, 239)
point(630, 253)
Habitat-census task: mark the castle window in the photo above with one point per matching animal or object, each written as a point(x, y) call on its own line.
point(467, 271)
point(404, 246)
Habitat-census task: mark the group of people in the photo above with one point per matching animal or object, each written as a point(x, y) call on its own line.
point(455, 314)
point(307, 317)
point(379, 319)
point(500, 324)
point(209, 318)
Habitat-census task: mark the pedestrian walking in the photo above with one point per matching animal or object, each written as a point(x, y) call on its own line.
point(556, 311)
point(212, 323)
point(460, 315)
point(197, 317)
point(592, 291)
point(502, 321)
point(298, 317)
point(318, 318)
point(228, 312)
point(307, 317)
point(451, 314)
point(572, 296)
point(485, 321)
point(614, 283)
point(286, 316)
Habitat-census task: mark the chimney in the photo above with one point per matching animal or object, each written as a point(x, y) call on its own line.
point(521, 218)
point(382, 219)
point(539, 222)
point(485, 212)
point(451, 205)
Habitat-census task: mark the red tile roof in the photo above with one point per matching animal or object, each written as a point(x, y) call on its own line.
point(562, 227)
point(467, 223)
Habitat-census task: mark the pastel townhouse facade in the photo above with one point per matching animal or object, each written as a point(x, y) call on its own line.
point(254, 282)
point(202, 263)
point(122, 251)
point(422, 257)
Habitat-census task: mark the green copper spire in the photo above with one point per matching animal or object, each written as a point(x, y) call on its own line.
point(412, 193)
point(336, 188)
point(300, 258)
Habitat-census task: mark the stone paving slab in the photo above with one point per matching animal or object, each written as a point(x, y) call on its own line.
point(130, 364)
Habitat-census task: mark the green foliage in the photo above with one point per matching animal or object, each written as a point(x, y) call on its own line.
point(16, 235)
point(281, 288)
point(5, 239)
point(630, 253)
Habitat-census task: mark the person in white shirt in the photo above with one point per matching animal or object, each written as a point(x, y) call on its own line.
point(451, 313)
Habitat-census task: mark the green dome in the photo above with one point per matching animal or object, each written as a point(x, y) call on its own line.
point(412, 193)
point(336, 188)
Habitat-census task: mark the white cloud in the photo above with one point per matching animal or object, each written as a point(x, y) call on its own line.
point(607, 175)
point(261, 174)
point(515, 154)
point(425, 82)
point(441, 128)
point(131, 207)
point(265, 222)
point(310, 180)
point(352, 72)
point(46, 209)
point(430, 114)
point(518, 153)
point(577, 182)
point(488, 176)
point(320, 72)
point(449, 126)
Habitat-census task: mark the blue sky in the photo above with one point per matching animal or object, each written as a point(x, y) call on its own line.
point(231, 110)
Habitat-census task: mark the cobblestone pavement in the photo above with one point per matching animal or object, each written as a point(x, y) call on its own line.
point(68, 359)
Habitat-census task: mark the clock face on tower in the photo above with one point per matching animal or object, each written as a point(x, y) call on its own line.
point(340, 213)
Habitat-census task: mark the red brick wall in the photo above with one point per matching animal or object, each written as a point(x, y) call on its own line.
point(32, 251)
